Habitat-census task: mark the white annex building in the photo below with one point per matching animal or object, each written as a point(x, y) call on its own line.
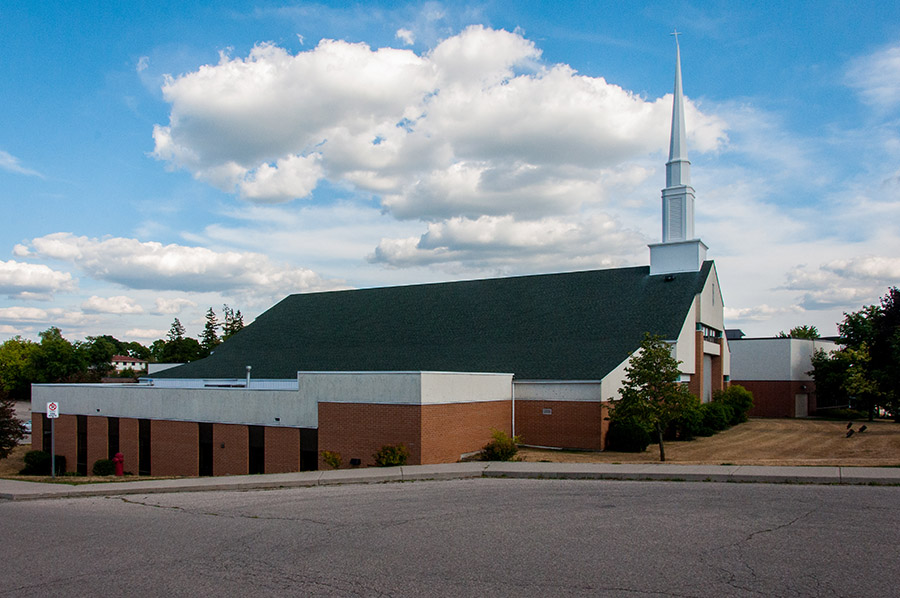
point(435, 367)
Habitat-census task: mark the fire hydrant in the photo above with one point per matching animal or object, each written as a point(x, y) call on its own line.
point(119, 461)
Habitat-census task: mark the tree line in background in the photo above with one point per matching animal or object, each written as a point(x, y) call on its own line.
point(55, 359)
point(865, 372)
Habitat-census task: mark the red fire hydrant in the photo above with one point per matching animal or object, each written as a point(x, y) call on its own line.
point(119, 461)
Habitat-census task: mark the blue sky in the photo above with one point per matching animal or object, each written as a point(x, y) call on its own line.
point(158, 159)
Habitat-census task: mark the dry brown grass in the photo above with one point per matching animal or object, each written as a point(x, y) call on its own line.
point(757, 442)
point(762, 442)
point(13, 464)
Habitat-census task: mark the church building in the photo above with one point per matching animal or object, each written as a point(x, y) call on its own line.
point(436, 367)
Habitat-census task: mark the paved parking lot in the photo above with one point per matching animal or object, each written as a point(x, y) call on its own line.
point(471, 537)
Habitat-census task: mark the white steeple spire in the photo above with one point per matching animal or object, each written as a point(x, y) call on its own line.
point(679, 250)
point(678, 168)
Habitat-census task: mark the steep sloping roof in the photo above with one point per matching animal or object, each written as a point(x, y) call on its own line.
point(572, 326)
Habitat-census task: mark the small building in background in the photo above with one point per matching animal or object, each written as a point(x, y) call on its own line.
point(124, 362)
point(778, 373)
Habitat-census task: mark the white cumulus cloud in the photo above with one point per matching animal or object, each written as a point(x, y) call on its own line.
point(476, 126)
point(151, 265)
point(406, 36)
point(172, 306)
point(119, 305)
point(495, 243)
point(32, 281)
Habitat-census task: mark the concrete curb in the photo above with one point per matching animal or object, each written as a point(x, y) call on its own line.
point(19, 490)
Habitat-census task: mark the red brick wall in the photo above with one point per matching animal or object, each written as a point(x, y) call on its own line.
point(695, 385)
point(128, 443)
point(234, 458)
point(718, 378)
point(97, 441)
point(37, 432)
point(66, 432)
point(775, 398)
point(449, 431)
point(358, 430)
point(572, 424)
point(604, 422)
point(174, 448)
point(282, 450)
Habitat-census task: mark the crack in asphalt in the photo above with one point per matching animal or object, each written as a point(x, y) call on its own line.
point(215, 514)
point(740, 546)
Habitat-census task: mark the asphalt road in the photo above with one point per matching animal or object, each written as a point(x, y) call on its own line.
point(477, 537)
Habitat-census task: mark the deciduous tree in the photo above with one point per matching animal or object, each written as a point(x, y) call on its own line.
point(11, 429)
point(804, 331)
point(652, 393)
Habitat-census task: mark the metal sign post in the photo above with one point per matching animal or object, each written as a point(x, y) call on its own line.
point(52, 414)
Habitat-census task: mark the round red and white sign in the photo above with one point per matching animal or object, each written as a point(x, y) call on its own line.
point(52, 409)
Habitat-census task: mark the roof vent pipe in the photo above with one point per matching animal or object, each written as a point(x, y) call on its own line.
point(248, 376)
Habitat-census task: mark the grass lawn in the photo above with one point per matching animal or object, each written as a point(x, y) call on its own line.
point(763, 442)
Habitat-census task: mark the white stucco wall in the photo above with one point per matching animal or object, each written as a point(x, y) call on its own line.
point(558, 390)
point(450, 387)
point(685, 344)
point(224, 405)
point(573, 390)
point(405, 388)
point(712, 309)
point(781, 359)
point(292, 403)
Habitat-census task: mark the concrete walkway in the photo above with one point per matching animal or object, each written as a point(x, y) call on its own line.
point(19, 490)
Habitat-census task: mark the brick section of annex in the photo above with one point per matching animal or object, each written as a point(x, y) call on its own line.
point(282, 450)
point(777, 398)
point(358, 430)
point(174, 448)
point(449, 431)
point(97, 427)
point(230, 449)
point(569, 424)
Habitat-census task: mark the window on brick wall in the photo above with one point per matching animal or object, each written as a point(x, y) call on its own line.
point(112, 436)
point(144, 465)
point(257, 449)
point(81, 436)
point(206, 449)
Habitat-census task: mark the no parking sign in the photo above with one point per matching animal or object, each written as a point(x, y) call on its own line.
point(52, 410)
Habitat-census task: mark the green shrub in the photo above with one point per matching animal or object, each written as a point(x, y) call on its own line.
point(103, 467)
point(501, 447)
point(38, 463)
point(687, 425)
point(738, 398)
point(627, 436)
point(716, 416)
point(332, 460)
point(391, 456)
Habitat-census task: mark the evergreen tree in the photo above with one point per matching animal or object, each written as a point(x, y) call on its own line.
point(209, 339)
point(234, 322)
point(176, 332)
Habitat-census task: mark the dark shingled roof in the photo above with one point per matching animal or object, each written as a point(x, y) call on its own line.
point(571, 326)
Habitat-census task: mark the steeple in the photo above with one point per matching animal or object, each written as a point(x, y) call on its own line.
point(678, 168)
point(679, 250)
